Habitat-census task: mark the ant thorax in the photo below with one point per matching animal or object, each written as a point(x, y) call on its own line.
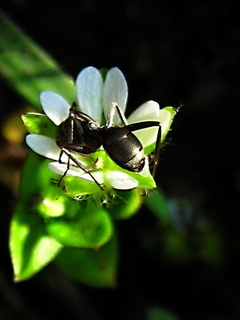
point(79, 133)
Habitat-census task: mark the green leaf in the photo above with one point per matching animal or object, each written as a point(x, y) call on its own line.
point(37, 179)
point(156, 313)
point(31, 248)
point(125, 203)
point(40, 124)
point(27, 68)
point(53, 203)
point(144, 182)
point(157, 203)
point(92, 227)
point(93, 267)
point(76, 187)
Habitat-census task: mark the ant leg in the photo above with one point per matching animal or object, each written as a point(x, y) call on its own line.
point(60, 156)
point(78, 163)
point(157, 151)
point(68, 166)
point(114, 106)
point(142, 125)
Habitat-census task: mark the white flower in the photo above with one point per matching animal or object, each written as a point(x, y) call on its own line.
point(94, 97)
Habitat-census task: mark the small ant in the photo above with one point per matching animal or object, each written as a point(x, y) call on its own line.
point(81, 134)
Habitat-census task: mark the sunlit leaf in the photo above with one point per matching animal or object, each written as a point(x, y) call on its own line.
point(36, 177)
point(40, 124)
point(157, 203)
point(31, 248)
point(93, 267)
point(76, 187)
point(91, 229)
point(125, 204)
point(51, 204)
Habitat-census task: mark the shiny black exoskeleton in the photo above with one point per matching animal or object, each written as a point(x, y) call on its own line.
point(81, 134)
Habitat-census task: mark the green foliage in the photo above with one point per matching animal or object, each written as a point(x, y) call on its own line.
point(27, 68)
point(157, 203)
point(125, 204)
point(46, 220)
point(155, 313)
point(91, 228)
point(31, 247)
point(93, 267)
point(40, 124)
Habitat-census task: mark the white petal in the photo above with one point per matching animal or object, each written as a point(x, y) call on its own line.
point(114, 90)
point(44, 146)
point(147, 136)
point(120, 180)
point(89, 90)
point(55, 107)
point(60, 168)
point(97, 175)
point(165, 117)
point(149, 111)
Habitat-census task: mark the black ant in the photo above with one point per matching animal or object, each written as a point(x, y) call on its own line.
point(81, 134)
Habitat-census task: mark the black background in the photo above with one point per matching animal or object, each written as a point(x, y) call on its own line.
point(175, 53)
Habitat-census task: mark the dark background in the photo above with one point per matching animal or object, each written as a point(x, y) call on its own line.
point(175, 53)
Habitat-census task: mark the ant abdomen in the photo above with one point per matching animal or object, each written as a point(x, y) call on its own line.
point(124, 148)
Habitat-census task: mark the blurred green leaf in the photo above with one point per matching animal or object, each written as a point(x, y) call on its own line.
point(36, 178)
point(157, 203)
point(144, 182)
point(125, 203)
point(40, 124)
point(27, 68)
point(77, 188)
point(91, 229)
point(156, 313)
point(93, 267)
point(36, 232)
point(31, 248)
